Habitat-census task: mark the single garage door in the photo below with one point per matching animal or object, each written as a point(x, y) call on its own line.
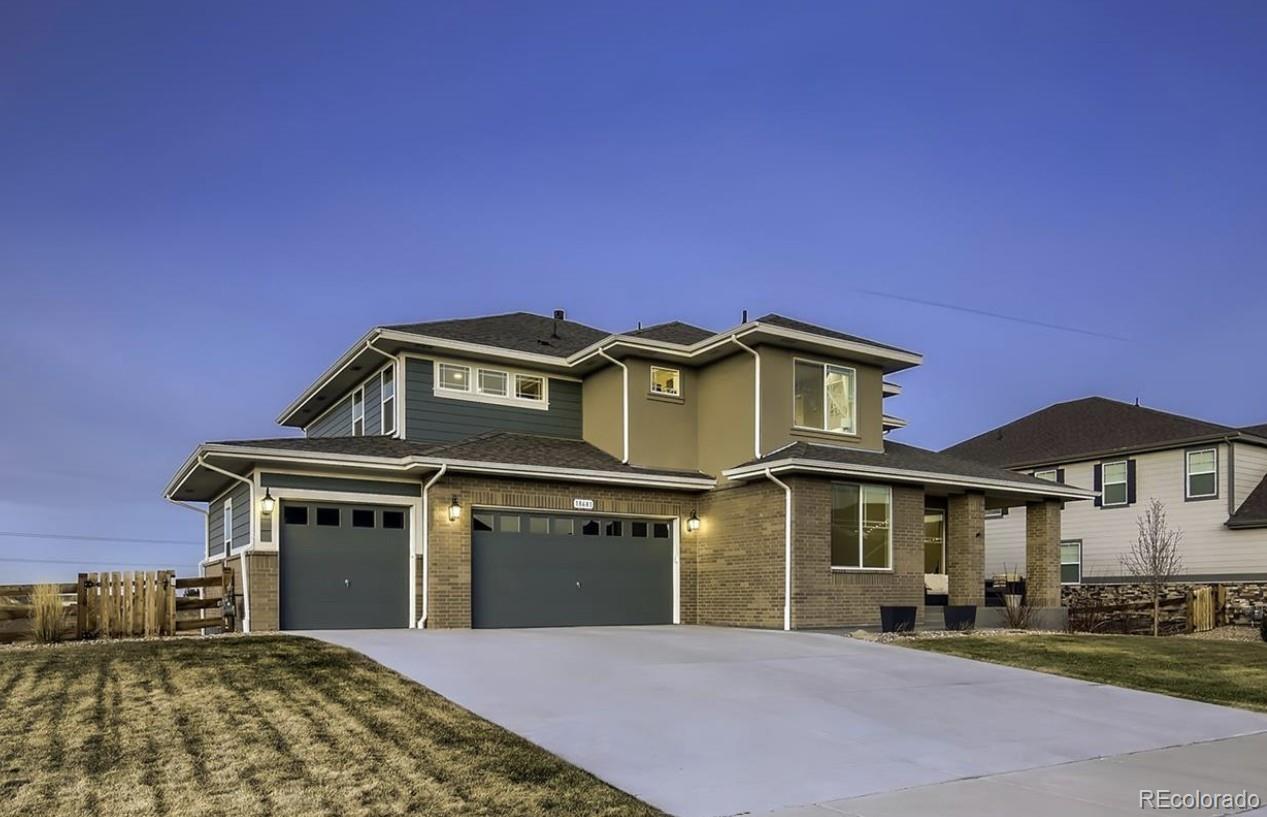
point(560, 570)
point(343, 566)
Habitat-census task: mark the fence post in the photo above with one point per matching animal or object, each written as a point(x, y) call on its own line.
point(226, 598)
point(169, 620)
point(81, 606)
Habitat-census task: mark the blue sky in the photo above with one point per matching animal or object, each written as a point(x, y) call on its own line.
point(203, 205)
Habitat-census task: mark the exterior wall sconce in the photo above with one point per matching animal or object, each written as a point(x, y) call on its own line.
point(268, 504)
point(692, 522)
point(455, 509)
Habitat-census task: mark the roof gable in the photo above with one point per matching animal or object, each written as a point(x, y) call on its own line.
point(518, 331)
point(673, 332)
point(1079, 429)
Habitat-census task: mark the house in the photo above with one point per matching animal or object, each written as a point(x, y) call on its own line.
point(1212, 479)
point(529, 470)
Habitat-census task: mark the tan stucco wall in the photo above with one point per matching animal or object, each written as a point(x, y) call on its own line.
point(725, 413)
point(602, 414)
point(662, 429)
point(776, 402)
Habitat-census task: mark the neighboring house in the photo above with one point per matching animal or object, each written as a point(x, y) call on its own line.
point(1211, 478)
point(524, 470)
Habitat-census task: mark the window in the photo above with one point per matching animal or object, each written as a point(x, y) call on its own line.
point(824, 397)
point(666, 381)
point(1049, 475)
point(482, 521)
point(362, 518)
point(934, 541)
point(590, 528)
point(508, 523)
point(660, 530)
point(538, 524)
point(492, 382)
point(614, 528)
point(358, 414)
point(995, 513)
point(455, 378)
point(394, 520)
point(1113, 486)
point(387, 384)
point(328, 517)
point(228, 525)
point(639, 530)
point(529, 387)
point(860, 527)
point(1070, 562)
point(295, 514)
point(1203, 473)
point(562, 526)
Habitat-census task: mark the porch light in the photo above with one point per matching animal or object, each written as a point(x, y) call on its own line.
point(267, 504)
point(455, 509)
point(692, 523)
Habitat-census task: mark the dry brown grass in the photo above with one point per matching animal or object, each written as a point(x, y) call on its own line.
point(48, 616)
point(261, 726)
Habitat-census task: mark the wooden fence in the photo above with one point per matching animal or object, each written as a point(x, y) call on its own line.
point(127, 604)
point(1202, 607)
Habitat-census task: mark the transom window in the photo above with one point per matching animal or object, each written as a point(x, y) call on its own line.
point(529, 387)
point(861, 524)
point(1049, 475)
point(1202, 473)
point(492, 382)
point(387, 383)
point(358, 413)
point(825, 397)
point(1113, 483)
point(666, 381)
point(455, 378)
point(1070, 562)
point(490, 385)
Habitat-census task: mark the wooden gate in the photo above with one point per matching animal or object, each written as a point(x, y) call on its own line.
point(1201, 609)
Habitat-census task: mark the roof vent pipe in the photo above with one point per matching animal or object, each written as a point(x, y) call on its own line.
point(745, 317)
point(559, 315)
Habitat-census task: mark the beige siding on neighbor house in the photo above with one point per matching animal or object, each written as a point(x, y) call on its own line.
point(1208, 548)
point(1251, 467)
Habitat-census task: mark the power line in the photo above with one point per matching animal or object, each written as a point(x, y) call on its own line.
point(84, 562)
point(83, 538)
point(999, 315)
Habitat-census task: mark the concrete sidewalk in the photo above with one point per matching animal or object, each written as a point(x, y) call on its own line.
point(1106, 787)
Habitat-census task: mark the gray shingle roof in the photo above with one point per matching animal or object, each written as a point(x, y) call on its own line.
point(801, 326)
point(899, 456)
point(1253, 511)
point(494, 447)
point(1068, 431)
point(520, 331)
point(673, 332)
point(1257, 431)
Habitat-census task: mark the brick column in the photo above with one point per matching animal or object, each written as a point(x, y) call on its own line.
point(264, 591)
point(1042, 553)
point(965, 548)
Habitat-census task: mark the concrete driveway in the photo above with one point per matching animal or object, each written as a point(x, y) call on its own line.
point(703, 722)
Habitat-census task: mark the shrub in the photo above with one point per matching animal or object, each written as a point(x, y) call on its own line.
point(47, 613)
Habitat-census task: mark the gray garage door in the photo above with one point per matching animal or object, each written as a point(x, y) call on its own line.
point(343, 566)
point(552, 570)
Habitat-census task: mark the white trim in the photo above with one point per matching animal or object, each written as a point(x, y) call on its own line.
point(852, 431)
point(358, 395)
point(677, 379)
point(889, 389)
point(904, 475)
point(1053, 471)
point(415, 619)
point(1125, 483)
point(1188, 473)
point(862, 534)
point(787, 547)
point(756, 395)
point(624, 404)
point(473, 392)
point(382, 399)
point(890, 422)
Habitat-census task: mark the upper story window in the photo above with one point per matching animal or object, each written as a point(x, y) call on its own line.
point(358, 413)
point(861, 521)
point(228, 525)
point(825, 397)
point(666, 381)
point(387, 388)
point(1048, 474)
point(491, 385)
point(1202, 473)
point(1114, 490)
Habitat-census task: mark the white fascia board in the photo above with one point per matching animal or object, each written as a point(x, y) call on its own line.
point(335, 368)
point(904, 475)
point(889, 421)
point(890, 389)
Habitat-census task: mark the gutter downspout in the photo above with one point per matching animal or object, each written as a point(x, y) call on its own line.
point(625, 388)
point(1231, 474)
point(246, 581)
point(426, 539)
point(787, 547)
point(756, 397)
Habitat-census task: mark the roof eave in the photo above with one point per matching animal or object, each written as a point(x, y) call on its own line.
point(1186, 442)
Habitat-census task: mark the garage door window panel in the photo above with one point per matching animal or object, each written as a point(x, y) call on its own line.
point(328, 517)
point(394, 520)
point(362, 518)
point(563, 526)
point(295, 514)
point(539, 525)
point(507, 523)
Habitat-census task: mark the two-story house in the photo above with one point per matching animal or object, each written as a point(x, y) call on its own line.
point(524, 470)
point(1211, 478)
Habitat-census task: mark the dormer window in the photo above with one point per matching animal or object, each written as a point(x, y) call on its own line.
point(358, 413)
point(666, 381)
point(455, 378)
point(529, 387)
point(387, 388)
point(492, 382)
point(487, 384)
point(824, 397)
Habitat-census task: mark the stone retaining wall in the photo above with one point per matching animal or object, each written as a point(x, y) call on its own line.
point(1240, 599)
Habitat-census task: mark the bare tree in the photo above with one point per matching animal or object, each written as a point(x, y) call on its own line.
point(1154, 557)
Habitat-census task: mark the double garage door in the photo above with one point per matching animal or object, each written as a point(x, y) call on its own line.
point(347, 566)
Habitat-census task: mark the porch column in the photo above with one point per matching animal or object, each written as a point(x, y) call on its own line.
point(1042, 553)
point(965, 548)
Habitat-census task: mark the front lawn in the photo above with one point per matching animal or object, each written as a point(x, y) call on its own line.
point(261, 726)
point(1232, 673)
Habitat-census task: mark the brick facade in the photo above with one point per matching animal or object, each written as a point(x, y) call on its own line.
point(264, 591)
point(965, 548)
point(1042, 553)
point(823, 597)
point(739, 558)
point(450, 542)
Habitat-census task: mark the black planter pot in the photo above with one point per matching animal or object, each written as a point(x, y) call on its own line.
point(960, 616)
point(897, 619)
